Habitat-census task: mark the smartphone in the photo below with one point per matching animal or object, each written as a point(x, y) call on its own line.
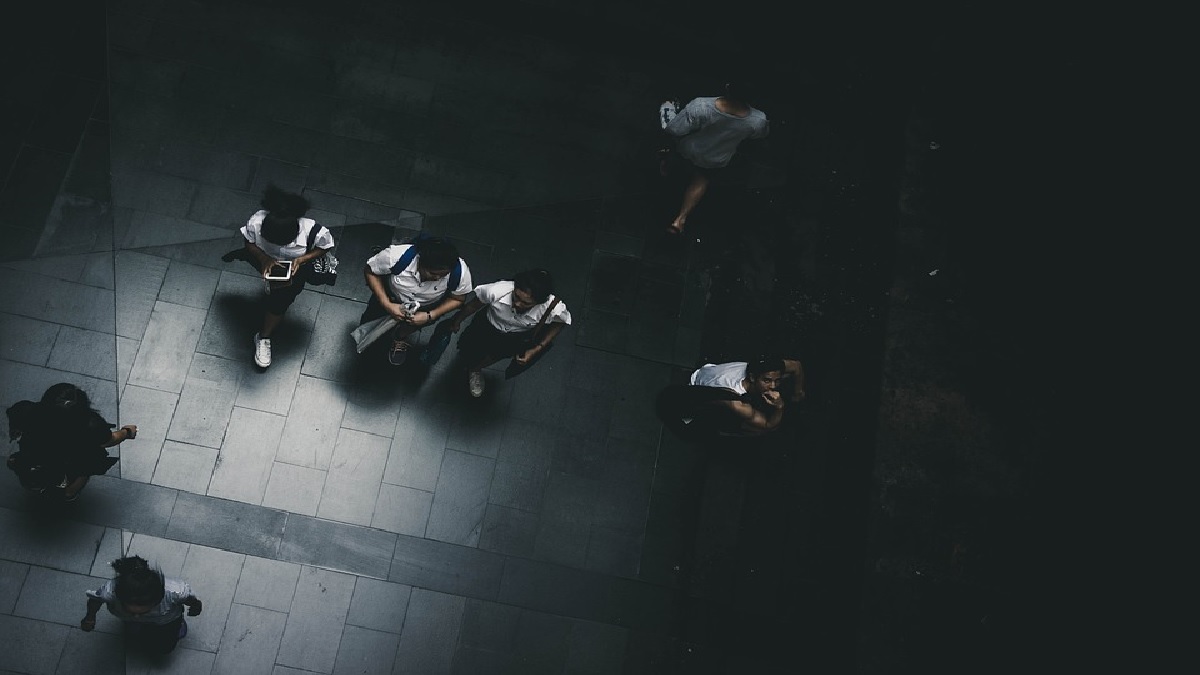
point(280, 271)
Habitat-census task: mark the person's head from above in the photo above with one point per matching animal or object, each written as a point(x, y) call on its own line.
point(66, 396)
point(740, 89)
point(435, 259)
point(281, 225)
point(532, 288)
point(138, 587)
point(764, 375)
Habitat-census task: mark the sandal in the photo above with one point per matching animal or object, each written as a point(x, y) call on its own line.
point(398, 353)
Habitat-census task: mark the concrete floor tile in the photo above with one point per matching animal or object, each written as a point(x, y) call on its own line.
point(54, 596)
point(34, 647)
point(95, 652)
point(460, 498)
point(402, 510)
point(312, 425)
point(166, 351)
point(27, 539)
point(56, 301)
point(152, 411)
point(153, 192)
point(126, 353)
point(266, 583)
point(12, 577)
point(561, 541)
point(251, 638)
point(489, 626)
point(184, 466)
point(509, 531)
point(184, 661)
point(189, 285)
point(431, 631)
point(331, 353)
point(107, 498)
point(374, 407)
point(222, 209)
point(206, 402)
point(518, 487)
point(138, 278)
point(234, 317)
point(355, 473)
point(227, 525)
point(168, 555)
point(418, 445)
point(213, 576)
point(26, 340)
point(85, 352)
point(365, 651)
point(448, 568)
point(110, 548)
point(314, 626)
point(339, 546)
point(378, 605)
point(613, 551)
point(295, 489)
point(247, 456)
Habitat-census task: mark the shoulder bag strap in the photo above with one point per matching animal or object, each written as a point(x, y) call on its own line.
point(542, 322)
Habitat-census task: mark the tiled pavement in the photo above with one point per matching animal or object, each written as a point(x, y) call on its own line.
point(337, 516)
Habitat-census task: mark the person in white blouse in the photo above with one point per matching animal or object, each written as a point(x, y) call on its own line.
point(417, 284)
point(277, 233)
point(513, 325)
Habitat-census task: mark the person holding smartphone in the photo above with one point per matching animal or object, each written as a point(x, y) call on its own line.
point(277, 244)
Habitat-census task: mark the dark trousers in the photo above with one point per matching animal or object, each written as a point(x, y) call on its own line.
point(154, 638)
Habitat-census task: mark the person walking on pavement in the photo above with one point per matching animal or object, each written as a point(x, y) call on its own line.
point(149, 605)
point(707, 133)
point(523, 317)
point(738, 398)
point(416, 284)
point(279, 243)
point(63, 442)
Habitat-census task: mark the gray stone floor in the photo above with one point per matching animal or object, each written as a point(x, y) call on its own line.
point(337, 515)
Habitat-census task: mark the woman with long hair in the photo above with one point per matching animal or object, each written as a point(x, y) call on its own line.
point(63, 441)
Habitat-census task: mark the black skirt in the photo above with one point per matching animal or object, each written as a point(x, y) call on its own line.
point(481, 339)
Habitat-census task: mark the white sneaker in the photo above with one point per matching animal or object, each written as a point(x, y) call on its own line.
point(262, 351)
point(667, 110)
point(475, 382)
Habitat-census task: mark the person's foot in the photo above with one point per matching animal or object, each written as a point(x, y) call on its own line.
point(398, 353)
point(262, 351)
point(676, 227)
point(475, 383)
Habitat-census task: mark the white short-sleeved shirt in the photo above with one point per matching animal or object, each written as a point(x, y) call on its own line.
point(169, 608)
point(252, 231)
point(407, 285)
point(725, 375)
point(505, 318)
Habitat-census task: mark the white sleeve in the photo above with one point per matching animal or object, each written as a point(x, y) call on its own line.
point(252, 230)
point(381, 263)
point(561, 314)
point(324, 237)
point(464, 282)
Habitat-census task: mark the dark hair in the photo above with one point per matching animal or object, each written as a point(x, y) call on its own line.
point(767, 365)
point(137, 583)
point(284, 209)
point(740, 90)
point(538, 283)
point(68, 397)
point(436, 254)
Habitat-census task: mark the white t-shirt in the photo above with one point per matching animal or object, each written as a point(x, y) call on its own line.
point(407, 285)
point(252, 231)
point(725, 375)
point(498, 297)
point(169, 608)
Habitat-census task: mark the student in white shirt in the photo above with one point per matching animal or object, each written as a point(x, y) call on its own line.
point(510, 327)
point(279, 232)
point(418, 294)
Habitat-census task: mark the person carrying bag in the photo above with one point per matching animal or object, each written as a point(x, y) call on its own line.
point(522, 320)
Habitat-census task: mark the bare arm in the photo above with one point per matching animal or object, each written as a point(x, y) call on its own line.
point(552, 331)
point(125, 433)
point(470, 307)
point(793, 369)
point(756, 419)
point(89, 620)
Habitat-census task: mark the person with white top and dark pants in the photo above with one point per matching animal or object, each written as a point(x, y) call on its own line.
point(279, 232)
point(523, 317)
point(416, 284)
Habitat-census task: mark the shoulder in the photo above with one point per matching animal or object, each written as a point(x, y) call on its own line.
point(256, 220)
point(489, 293)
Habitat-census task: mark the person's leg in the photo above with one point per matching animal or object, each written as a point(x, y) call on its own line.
point(270, 322)
point(71, 492)
point(280, 298)
point(691, 197)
